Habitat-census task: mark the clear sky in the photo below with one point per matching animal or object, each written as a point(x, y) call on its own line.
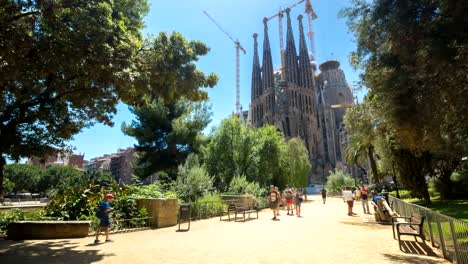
point(241, 18)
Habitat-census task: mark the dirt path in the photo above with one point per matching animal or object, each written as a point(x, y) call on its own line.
point(324, 235)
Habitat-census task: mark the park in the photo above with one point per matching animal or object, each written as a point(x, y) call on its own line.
point(120, 119)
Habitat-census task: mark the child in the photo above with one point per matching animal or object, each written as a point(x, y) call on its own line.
point(103, 215)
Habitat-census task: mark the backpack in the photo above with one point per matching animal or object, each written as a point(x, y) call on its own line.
point(273, 197)
point(299, 196)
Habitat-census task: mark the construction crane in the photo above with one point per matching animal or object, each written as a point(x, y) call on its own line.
point(280, 15)
point(238, 49)
point(310, 16)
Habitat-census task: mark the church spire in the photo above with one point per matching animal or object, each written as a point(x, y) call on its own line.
point(256, 72)
point(305, 71)
point(290, 54)
point(267, 66)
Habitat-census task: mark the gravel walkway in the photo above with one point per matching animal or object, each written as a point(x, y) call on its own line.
point(325, 234)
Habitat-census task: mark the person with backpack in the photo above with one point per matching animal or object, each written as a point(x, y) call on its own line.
point(289, 199)
point(103, 214)
point(298, 198)
point(273, 199)
point(323, 192)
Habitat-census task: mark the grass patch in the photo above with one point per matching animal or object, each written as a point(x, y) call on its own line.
point(454, 208)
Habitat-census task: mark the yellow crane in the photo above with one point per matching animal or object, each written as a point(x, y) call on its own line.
point(238, 49)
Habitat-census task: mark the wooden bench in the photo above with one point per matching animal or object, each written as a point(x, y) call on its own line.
point(239, 209)
point(412, 227)
point(246, 210)
point(231, 209)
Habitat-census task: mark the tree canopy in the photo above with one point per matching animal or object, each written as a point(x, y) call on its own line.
point(166, 134)
point(413, 57)
point(64, 65)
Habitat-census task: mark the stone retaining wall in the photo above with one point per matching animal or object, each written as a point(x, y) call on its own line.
point(163, 212)
point(47, 229)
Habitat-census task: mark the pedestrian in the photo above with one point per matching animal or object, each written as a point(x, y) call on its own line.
point(324, 195)
point(289, 199)
point(365, 199)
point(299, 197)
point(273, 199)
point(280, 201)
point(349, 199)
point(103, 214)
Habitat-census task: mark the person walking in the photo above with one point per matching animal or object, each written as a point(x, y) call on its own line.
point(273, 199)
point(289, 199)
point(349, 199)
point(299, 197)
point(103, 214)
point(280, 201)
point(324, 195)
point(365, 199)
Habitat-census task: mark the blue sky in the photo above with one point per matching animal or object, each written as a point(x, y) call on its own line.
point(241, 18)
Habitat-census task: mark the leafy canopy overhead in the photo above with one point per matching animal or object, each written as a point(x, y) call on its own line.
point(64, 65)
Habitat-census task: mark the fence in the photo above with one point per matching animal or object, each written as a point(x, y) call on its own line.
point(123, 225)
point(448, 234)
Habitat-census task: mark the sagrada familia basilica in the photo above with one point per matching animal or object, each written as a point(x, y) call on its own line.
point(301, 102)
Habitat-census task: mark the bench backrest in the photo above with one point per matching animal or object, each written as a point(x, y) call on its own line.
point(417, 220)
point(232, 207)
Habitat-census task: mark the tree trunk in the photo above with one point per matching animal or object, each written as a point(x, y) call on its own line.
point(395, 181)
point(373, 163)
point(2, 165)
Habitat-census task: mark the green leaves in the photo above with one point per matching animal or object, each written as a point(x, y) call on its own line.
point(166, 134)
point(338, 180)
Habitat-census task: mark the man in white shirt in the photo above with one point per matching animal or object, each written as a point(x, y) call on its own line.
point(349, 199)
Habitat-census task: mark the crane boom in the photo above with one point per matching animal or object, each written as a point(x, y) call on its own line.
point(238, 49)
point(280, 28)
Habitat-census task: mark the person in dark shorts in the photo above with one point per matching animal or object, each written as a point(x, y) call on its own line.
point(103, 214)
point(324, 195)
point(273, 199)
point(298, 198)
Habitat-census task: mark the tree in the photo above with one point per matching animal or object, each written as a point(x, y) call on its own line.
point(413, 56)
point(361, 126)
point(66, 64)
point(235, 149)
point(24, 177)
point(193, 181)
point(297, 164)
point(166, 134)
point(60, 178)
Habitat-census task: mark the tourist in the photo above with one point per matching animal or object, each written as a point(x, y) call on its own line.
point(103, 214)
point(299, 197)
point(273, 199)
point(349, 199)
point(324, 195)
point(364, 199)
point(280, 201)
point(289, 199)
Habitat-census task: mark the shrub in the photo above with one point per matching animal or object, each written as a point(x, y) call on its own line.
point(240, 185)
point(207, 206)
point(193, 180)
point(404, 194)
point(18, 215)
point(338, 180)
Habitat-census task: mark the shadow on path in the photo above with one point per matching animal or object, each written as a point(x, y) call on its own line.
point(46, 252)
point(418, 248)
point(407, 259)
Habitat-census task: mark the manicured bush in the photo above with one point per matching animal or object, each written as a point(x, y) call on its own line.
point(338, 180)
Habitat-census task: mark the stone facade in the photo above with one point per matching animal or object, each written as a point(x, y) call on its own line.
point(298, 101)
